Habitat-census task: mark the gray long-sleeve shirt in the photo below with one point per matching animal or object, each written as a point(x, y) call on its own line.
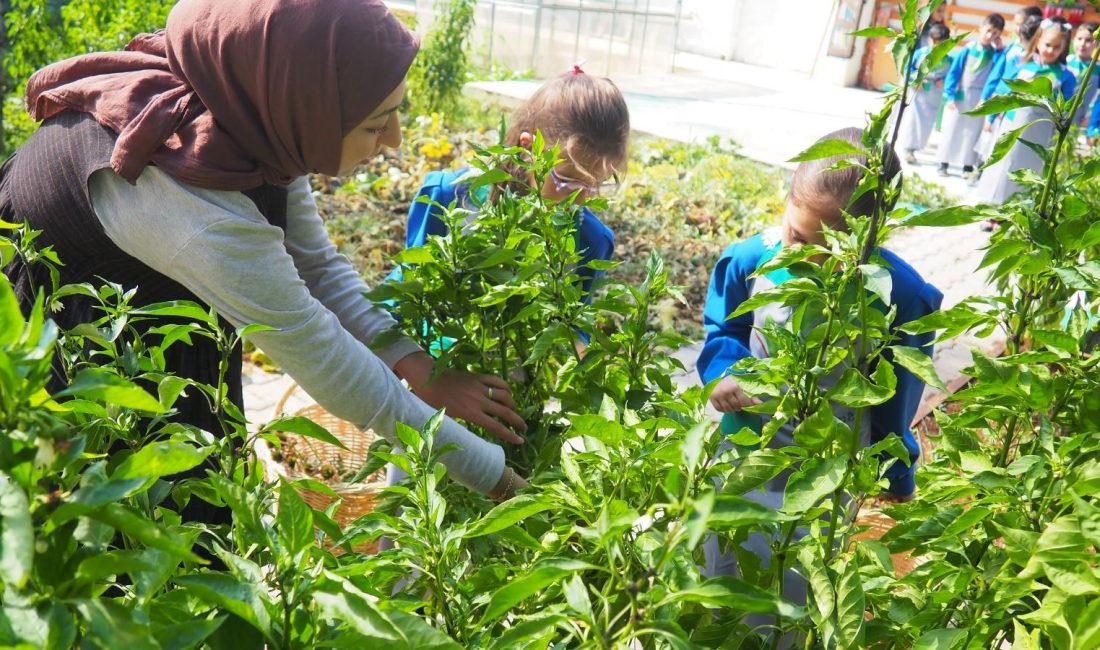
point(218, 245)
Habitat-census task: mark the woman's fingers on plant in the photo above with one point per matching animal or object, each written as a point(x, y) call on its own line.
point(508, 415)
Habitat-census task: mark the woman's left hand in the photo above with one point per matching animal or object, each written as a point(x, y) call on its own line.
point(482, 400)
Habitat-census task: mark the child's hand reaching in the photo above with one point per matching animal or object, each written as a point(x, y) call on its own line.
point(988, 127)
point(728, 396)
point(952, 106)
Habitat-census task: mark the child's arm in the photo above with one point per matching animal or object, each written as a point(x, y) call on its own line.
point(595, 242)
point(424, 218)
point(951, 92)
point(1069, 84)
point(1094, 121)
point(727, 340)
point(992, 83)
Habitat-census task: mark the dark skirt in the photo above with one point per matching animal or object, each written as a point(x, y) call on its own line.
point(198, 361)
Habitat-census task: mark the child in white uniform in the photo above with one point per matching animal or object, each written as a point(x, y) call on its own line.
point(962, 91)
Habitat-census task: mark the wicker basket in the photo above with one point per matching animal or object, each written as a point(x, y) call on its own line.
point(356, 499)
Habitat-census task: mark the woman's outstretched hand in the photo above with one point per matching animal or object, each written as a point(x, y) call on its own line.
point(482, 400)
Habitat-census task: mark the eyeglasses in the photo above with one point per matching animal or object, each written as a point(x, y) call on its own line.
point(1048, 23)
point(571, 185)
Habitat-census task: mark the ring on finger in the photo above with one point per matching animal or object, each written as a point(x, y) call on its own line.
point(490, 392)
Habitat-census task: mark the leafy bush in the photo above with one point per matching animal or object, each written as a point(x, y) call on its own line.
point(442, 67)
point(40, 34)
point(628, 477)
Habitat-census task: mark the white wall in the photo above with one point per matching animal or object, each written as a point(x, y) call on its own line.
point(790, 35)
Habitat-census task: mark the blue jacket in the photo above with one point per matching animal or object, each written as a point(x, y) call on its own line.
point(1003, 66)
point(951, 90)
point(727, 341)
point(595, 241)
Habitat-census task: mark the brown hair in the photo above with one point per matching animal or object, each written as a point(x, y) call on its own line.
point(827, 191)
point(585, 115)
point(1054, 24)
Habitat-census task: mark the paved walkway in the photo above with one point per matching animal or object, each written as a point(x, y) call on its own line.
point(772, 116)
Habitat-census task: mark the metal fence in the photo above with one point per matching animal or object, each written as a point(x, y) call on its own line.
point(546, 37)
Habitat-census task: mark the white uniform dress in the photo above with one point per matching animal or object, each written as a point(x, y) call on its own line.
point(964, 85)
point(996, 186)
point(920, 115)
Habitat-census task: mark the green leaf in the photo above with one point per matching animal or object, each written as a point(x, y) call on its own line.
point(304, 427)
point(754, 470)
point(350, 606)
point(813, 482)
point(16, 534)
point(918, 363)
point(11, 316)
point(851, 607)
point(698, 522)
point(50, 626)
point(295, 520)
point(98, 384)
point(509, 513)
point(248, 330)
point(143, 530)
point(875, 32)
point(817, 431)
point(576, 594)
point(959, 215)
point(998, 104)
point(1005, 144)
point(857, 391)
point(534, 581)
point(187, 635)
point(828, 149)
point(731, 512)
point(738, 595)
point(939, 640)
point(691, 448)
point(532, 629)
point(415, 255)
point(161, 459)
point(877, 280)
point(112, 625)
point(551, 336)
point(247, 601)
point(1086, 634)
point(179, 309)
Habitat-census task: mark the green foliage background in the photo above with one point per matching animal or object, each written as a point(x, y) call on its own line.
point(40, 32)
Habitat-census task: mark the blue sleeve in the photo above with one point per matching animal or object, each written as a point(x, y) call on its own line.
point(595, 242)
point(914, 298)
point(993, 82)
point(954, 75)
point(1094, 120)
point(727, 341)
point(439, 188)
point(918, 57)
point(1069, 84)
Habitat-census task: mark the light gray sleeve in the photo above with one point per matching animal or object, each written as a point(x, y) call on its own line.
point(219, 246)
point(331, 278)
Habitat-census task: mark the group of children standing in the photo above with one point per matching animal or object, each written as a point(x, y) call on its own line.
point(1041, 47)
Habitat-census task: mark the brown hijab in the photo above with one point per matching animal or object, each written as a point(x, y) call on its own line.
point(236, 93)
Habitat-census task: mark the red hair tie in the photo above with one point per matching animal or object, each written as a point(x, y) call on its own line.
point(577, 69)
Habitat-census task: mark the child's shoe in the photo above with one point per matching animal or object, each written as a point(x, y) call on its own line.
point(910, 157)
point(972, 177)
point(942, 171)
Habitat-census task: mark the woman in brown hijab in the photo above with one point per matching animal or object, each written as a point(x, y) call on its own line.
point(179, 166)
